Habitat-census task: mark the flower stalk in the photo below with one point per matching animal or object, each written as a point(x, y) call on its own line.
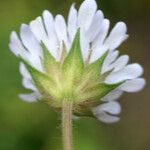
point(67, 124)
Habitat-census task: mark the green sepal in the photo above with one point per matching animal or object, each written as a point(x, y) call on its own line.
point(96, 67)
point(83, 109)
point(92, 98)
point(73, 64)
point(44, 83)
point(97, 91)
point(49, 62)
point(92, 72)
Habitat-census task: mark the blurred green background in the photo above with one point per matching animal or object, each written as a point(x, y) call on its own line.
point(35, 126)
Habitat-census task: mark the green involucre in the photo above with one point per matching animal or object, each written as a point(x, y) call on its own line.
point(71, 79)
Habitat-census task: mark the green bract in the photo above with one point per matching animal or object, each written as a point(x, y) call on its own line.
point(71, 79)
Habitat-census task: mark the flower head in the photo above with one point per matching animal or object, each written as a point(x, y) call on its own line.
point(77, 61)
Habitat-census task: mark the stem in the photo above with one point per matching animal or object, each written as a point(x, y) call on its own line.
point(67, 124)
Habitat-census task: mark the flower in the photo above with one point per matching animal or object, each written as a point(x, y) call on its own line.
point(77, 61)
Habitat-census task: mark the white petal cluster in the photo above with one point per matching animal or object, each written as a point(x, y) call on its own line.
point(95, 36)
point(28, 83)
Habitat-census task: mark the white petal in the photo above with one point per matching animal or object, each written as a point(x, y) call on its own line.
point(86, 13)
point(111, 107)
point(111, 57)
point(117, 65)
point(49, 24)
point(33, 47)
point(24, 72)
point(117, 36)
point(28, 84)
point(102, 34)
point(38, 29)
point(16, 46)
point(134, 85)
point(30, 41)
point(85, 46)
point(106, 118)
point(97, 45)
point(113, 95)
point(33, 97)
point(129, 72)
point(61, 29)
point(72, 22)
point(27, 79)
point(51, 42)
point(95, 26)
point(102, 112)
point(35, 62)
point(121, 62)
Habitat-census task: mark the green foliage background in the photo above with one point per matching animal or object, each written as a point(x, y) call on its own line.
point(35, 126)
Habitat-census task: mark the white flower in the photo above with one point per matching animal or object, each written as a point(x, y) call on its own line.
point(95, 40)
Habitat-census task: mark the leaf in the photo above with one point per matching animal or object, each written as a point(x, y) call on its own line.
point(73, 64)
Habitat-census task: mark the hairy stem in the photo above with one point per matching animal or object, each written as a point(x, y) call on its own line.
point(67, 125)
